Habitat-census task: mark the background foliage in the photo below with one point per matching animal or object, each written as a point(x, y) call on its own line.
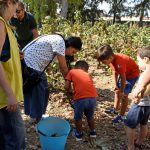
point(84, 19)
point(122, 37)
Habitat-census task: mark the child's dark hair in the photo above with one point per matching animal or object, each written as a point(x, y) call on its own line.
point(144, 52)
point(81, 64)
point(104, 52)
point(74, 42)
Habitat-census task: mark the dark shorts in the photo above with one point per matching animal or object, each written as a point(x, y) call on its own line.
point(84, 106)
point(129, 84)
point(137, 115)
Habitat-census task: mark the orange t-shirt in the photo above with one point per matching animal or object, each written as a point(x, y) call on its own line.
point(124, 64)
point(82, 84)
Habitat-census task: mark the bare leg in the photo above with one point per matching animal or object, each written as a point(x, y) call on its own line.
point(91, 124)
point(116, 100)
point(78, 125)
point(130, 137)
point(142, 135)
point(124, 105)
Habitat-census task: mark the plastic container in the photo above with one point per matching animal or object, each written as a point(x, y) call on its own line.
point(53, 132)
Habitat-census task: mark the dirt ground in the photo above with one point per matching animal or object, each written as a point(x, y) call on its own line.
point(109, 136)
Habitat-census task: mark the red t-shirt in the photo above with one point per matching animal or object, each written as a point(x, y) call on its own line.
point(124, 64)
point(82, 84)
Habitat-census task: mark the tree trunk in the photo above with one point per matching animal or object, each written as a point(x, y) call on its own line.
point(141, 19)
point(64, 9)
point(114, 17)
point(142, 13)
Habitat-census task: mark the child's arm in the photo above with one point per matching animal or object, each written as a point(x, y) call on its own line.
point(69, 92)
point(123, 83)
point(140, 95)
point(68, 87)
point(141, 86)
point(139, 91)
point(115, 76)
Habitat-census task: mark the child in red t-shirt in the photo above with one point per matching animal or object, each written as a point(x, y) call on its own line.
point(125, 72)
point(84, 97)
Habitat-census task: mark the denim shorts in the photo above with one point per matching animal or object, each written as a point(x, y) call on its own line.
point(84, 106)
point(129, 84)
point(137, 115)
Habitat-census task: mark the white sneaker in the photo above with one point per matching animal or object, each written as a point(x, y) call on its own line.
point(77, 136)
point(45, 116)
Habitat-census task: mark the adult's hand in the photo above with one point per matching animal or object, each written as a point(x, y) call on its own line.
point(12, 103)
point(21, 55)
point(35, 33)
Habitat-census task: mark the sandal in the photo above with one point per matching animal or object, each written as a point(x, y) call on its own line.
point(139, 146)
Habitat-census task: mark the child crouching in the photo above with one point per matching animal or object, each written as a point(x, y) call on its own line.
point(84, 97)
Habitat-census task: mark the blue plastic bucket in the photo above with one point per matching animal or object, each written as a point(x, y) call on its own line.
point(53, 132)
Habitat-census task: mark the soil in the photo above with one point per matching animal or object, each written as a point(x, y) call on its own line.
point(109, 136)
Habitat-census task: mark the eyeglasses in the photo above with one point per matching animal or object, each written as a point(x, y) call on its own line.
point(18, 11)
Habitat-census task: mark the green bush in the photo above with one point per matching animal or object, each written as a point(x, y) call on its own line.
point(121, 37)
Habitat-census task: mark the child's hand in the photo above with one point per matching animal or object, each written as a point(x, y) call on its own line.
point(116, 89)
point(139, 92)
point(70, 97)
point(136, 100)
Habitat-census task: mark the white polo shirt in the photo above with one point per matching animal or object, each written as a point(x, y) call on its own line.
point(38, 53)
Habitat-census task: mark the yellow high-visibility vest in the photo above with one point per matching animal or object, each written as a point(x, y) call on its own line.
point(12, 68)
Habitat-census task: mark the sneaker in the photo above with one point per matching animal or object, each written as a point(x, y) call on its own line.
point(33, 121)
point(78, 136)
point(44, 116)
point(111, 111)
point(93, 134)
point(118, 119)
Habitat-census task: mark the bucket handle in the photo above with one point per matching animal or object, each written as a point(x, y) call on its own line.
point(47, 135)
point(41, 133)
